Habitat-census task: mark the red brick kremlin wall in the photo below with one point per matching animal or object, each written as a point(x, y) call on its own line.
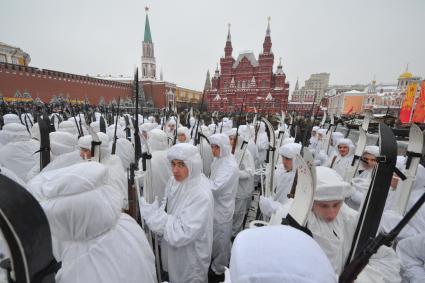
point(46, 83)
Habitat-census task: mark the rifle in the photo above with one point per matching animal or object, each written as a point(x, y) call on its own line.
point(114, 144)
point(258, 124)
point(353, 269)
point(102, 124)
point(197, 138)
point(270, 157)
point(81, 125)
point(26, 123)
point(237, 126)
point(137, 145)
point(349, 129)
point(133, 197)
point(175, 131)
point(44, 141)
point(221, 128)
point(149, 195)
point(188, 120)
point(95, 144)
point(309, 127)
point(216, 123)
point(76, 123)
point(256, 127)
point(127, 127)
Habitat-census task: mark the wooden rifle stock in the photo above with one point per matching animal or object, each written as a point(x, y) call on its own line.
point(133, 200)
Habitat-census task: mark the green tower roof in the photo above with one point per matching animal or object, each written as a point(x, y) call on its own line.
point(148, 36)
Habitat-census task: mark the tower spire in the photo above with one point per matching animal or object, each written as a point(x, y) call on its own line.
point(228, 48)
point(268, 26)
point(267, 45)
point(217, 72)
point(148, 36)
point(207, 85)
point(148, 57)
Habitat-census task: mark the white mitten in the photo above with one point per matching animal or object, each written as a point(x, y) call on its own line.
point(268, 206)
point(147, 209)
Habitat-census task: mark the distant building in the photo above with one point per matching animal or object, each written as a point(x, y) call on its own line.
point(13, 55)
point(186, 98)
point(248, 81)
point(313, 91)
point(405, 78)
point(380, 98)
point(318, 83)
point(346, 103)
point(334, 89)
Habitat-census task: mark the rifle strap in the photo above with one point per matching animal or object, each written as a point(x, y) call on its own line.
point(51, 268)
point(42, 149)
point(145, 156)
point(294, 186)
point(243, 143)
point(333, 161)
point(280, 134)
point(289, 221)
point(399, 174)
point(354, 159)
point(410, 155)
point(93, 146)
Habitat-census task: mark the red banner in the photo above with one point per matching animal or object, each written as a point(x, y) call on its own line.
point(419, 112)
point(407, 106)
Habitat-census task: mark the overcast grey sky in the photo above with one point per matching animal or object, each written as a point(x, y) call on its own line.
point(353, 40)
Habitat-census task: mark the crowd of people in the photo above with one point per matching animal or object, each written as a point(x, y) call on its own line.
point(202, 187)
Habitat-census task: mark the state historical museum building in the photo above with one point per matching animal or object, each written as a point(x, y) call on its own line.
point(248, 81)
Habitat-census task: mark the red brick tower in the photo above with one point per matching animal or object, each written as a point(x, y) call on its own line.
point(248, 81)
point(266, 60)
point(227, 61)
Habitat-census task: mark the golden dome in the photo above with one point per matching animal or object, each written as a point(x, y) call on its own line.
point(405, 75)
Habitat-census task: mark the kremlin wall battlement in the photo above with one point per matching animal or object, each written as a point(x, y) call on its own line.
point(44, 84)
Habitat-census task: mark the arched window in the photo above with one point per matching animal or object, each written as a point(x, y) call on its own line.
point(263, 83)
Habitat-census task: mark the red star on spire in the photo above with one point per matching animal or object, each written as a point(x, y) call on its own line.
point(146, 8)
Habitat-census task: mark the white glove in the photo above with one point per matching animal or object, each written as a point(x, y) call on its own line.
point(268, 206)
point(147, 209)
point(157, 220)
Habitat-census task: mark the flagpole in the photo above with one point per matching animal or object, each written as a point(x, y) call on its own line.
point(414, 105)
